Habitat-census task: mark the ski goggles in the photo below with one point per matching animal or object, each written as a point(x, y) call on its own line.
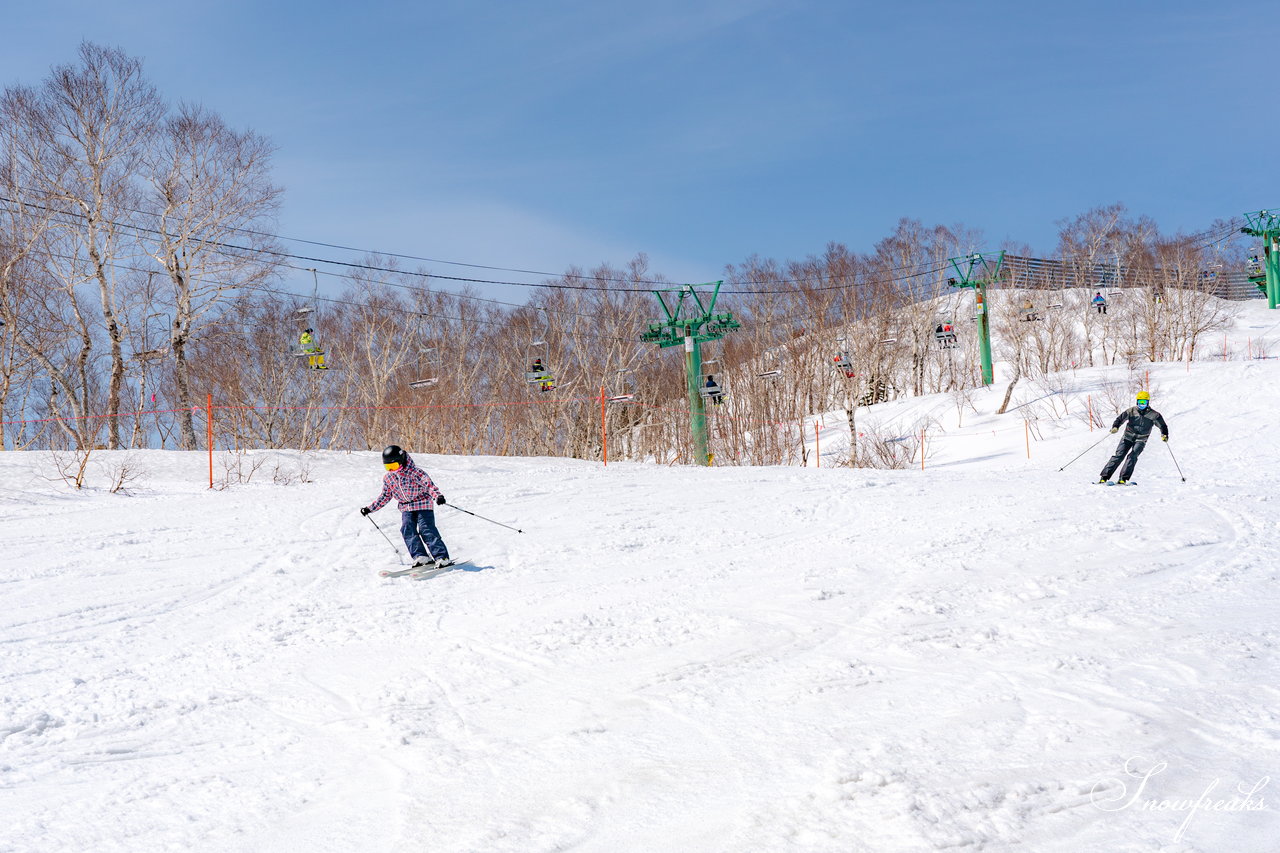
point(391, 466)
point(1142, 404)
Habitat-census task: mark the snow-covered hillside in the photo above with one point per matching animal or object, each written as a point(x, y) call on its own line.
point(988, 654)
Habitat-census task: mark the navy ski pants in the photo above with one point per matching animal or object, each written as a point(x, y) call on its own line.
point(418, 526)
point(1133, 446)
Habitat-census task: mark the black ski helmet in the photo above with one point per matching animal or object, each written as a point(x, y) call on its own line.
point(394, 453)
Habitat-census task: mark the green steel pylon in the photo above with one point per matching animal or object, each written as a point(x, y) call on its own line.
point(691, 322)
point(1266, 226)
point(977, 270)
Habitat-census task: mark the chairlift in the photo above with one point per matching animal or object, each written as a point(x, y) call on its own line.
point(626, 386)
point(149, 352)
point(709, 387)
point(712, 390)
point(310, 349)
point(775, 369)
point(428, 369)
point(302, 313)
point(536, 357)
point(945, 334)
point(1029, 312)
point(308, 345)
point(842, 360)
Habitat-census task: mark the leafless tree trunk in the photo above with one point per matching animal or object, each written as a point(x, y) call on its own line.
point(213, 200)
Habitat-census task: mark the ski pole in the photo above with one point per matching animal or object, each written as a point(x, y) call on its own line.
point(1175, 461)
point(482, 518)
point(1086, 450)
point(386, 537)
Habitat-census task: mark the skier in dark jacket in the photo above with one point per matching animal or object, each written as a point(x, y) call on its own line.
point(1141, 419)
point(416, 494)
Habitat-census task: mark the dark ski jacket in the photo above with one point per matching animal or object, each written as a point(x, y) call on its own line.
point(410, 486)
point(1140, 422)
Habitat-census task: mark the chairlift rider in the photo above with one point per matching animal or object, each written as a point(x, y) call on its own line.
point(307, 344)
point(539, 375)
point(946, 334)
point(843, 363)
point(1099, 302)
point(712, 391)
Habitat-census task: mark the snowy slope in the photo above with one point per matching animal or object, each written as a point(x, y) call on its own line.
point(964, 657)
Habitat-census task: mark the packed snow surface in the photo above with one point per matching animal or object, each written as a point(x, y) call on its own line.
point(987, 654)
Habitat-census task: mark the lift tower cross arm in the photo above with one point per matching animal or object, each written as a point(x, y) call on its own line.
point(977, 270)
point(691, 321)
point(1265, 225)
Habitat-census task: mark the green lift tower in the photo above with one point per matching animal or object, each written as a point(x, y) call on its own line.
point(691, 321)
point(978, 270)
point(1265, 225)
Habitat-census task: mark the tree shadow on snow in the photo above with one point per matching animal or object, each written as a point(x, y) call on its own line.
point(969, 460)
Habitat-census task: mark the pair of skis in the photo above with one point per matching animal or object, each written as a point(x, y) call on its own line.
point(420, 573)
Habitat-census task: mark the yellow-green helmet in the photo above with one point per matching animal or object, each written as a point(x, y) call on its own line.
point(1143, 395)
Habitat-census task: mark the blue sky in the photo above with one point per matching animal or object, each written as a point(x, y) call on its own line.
point(540, 135)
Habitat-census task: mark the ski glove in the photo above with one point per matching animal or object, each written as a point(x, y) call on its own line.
point(1115, 429)
point(364, 510)
point(1164, 438)
point(439, 499)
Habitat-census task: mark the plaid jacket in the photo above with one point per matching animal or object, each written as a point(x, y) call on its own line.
point(410, 486)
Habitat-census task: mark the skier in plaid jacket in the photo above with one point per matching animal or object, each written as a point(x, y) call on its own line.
point(416, 496)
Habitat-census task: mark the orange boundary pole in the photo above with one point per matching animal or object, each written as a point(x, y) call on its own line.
point(921, 448)
point(208, 412)
point(1089, 399)
point(1026, 429)
point(817, 444)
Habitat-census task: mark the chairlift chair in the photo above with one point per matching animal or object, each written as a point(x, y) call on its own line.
point(535, 355)
point(149, 352)
point(775, 370)
point(428, 369)
point(538, 374)
point(945, 333)
point(626, 387)
point(303, 312)
point(710, 388)
point(310, 349)
point(842, 360)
